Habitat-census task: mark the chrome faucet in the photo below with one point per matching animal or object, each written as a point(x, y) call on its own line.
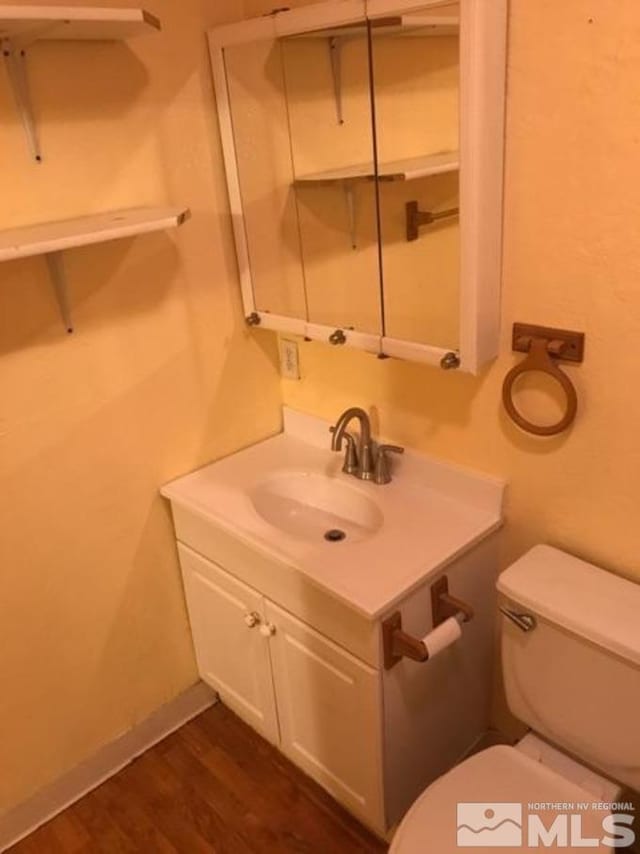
point(360, 460)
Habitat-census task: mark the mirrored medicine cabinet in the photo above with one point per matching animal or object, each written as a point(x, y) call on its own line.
point(363, 146)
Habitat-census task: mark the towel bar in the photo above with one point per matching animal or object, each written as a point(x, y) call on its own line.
point(544, 345)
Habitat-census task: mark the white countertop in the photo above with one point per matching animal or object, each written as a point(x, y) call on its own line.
point(432, 513)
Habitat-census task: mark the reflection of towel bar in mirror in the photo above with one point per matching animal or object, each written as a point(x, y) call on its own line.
point(417, 218)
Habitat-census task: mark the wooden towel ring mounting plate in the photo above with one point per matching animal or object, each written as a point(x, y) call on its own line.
point(540, 358)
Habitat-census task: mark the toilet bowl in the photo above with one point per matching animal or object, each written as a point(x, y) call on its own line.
point(570, 639)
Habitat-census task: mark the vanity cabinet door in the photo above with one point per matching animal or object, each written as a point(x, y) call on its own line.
point(329, 706)
point(232, 653)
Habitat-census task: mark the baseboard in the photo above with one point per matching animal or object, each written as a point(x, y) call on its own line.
point(52, 799)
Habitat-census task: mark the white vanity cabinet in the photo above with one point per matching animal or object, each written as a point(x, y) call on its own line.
point(288, 625)
point(307, 672)
point(330, 713)
point(304, 693)
point(231, 652)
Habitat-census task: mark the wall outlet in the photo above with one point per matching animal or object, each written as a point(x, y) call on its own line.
point(289, 363)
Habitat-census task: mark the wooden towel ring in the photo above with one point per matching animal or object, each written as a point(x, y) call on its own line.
point(539, 358)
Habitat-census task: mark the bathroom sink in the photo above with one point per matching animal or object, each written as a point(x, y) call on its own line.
point(288, 500)
point(314, 507)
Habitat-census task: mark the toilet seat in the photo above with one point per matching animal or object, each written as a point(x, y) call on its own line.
point(499, 775)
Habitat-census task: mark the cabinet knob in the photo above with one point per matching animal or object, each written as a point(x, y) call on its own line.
point(267, 630)
point(252, 619)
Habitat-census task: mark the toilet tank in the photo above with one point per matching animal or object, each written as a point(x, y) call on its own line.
point(575, 677)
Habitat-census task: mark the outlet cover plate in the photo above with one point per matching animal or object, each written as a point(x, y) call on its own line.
point(289, 361)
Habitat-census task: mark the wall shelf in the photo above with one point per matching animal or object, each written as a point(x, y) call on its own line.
point(27, 24)
point(52, 238)
point(22, 26)
point(408, 169)
point(397, 25)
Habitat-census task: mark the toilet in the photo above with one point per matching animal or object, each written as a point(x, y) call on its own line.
point(570, 638)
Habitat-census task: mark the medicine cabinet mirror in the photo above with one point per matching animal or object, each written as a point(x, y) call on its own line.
point(363, 146)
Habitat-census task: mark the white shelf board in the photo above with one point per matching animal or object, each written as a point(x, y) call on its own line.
point(398, 25)
point(26, 24)
point(397, 170)
point(50, 237)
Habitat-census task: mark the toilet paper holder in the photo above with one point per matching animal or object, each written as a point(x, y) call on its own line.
point(397, 644)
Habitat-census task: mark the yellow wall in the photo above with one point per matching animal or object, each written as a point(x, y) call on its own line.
point(572, 259)
point(160, 377)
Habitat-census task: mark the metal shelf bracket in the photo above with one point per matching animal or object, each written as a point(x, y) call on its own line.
point(14, 58)
point(350, 200)
point(59, 282)
point(335, 53)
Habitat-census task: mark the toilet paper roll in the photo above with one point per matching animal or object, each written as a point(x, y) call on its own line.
point(446, 634)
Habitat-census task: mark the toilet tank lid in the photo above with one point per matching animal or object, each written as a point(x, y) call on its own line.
point(591, 602)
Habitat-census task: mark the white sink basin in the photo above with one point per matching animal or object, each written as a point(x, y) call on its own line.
point(282, 496)
point(314, 507)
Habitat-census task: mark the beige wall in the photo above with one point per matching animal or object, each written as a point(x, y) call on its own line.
point(160, 377)
point(572, 259)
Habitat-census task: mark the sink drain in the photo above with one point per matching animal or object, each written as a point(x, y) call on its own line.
point(335, 535)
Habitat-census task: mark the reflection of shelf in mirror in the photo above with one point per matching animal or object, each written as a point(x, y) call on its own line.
point(397, 170)
point(52, 238)
point(400, 25)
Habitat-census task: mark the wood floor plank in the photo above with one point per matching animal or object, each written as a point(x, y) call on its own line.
point(104, 831)
point(221, 800)
point(212, 787)
point(70, 835)
point(289, 785)
point(274, 786)
point(275, 824)
point(161, 795)
point(115, 798)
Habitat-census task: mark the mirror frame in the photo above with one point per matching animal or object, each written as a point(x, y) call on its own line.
point(483, 46)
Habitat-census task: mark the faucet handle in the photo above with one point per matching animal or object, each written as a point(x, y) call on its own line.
point(382, 473)
point(390, 449)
